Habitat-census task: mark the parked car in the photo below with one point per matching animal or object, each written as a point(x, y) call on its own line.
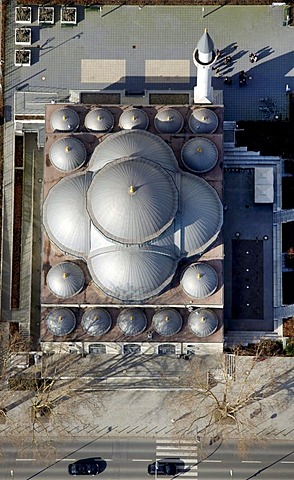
point(83, 468)
point(162, 468)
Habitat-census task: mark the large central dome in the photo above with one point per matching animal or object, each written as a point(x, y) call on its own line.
point(132, 200)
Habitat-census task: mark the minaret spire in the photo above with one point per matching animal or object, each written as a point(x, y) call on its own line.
point(204, 56)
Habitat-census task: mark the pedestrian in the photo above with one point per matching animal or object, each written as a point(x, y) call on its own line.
point(255, 58)
point(218, 53)
point(217, 72)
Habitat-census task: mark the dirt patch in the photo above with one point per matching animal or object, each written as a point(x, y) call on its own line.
point(17, 220)
point(288, 327)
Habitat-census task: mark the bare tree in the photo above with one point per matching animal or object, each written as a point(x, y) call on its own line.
point(230, 395)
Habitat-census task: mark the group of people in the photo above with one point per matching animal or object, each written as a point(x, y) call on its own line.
point(252, 57)
point(242, 78)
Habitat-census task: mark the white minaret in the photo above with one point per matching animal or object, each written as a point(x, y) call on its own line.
point(204, 56)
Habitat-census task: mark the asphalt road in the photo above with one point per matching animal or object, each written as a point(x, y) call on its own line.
point(127, 459)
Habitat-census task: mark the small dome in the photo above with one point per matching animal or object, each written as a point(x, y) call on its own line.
point(61, 321)
point(134, 119)
point(65, 279)
point(64, 120)
point(132, 321)
point(96, 321)
point(203, 322)
point(203, 120)
point(99, 120)
point(167, 322)
point(199, 280)
point(67, 154)
point(199, 155)
point(168, 120)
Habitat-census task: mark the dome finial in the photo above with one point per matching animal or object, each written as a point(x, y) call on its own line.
point(199, 275)
point(206, 30)
point(65, 275)
point(132, 189)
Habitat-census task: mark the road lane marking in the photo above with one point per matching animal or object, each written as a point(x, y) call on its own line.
point(250, 461)
point(25, 459)
point(282, 461)
point(212, 461)
point(65, 459)
point(142, 459)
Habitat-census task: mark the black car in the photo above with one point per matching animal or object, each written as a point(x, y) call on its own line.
point(83, 468)
point(162, 468)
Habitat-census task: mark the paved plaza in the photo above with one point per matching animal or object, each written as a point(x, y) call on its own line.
point(151, 49)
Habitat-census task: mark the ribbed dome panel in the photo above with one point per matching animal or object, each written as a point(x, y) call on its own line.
point(201, 213)
point(168, 120)
point(67, 154)
point(131, 274)
point(96, 321)
point(61, 321)
point(203, 322)
point(167, 322)
point(99, 120)
point(132, 201)
point(133, 143)
point(132, 321)
point(199, 155)
point(65, 120)
point(65, 279)
point(134, 119)
point(65, 217)
point(203, 120)
point(199, 280)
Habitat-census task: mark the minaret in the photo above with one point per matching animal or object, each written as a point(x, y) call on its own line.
point(204, 56)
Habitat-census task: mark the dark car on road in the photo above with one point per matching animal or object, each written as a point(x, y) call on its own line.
point(162, 468)
point(83, 468)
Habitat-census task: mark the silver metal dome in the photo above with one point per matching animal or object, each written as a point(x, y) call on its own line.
point(199, 280)
point(203, 120)
point(67, 154)
point(61, 321)
point(132, 321)
point(134, 119)
point(65, 120)
point(65, 279)
point(132, 273)
point(199, 154)
point(133, 143)
point(96, 321)
point(99, 120)
point(167, 322)
point(168, 120)
point(65, 217)
point(203, 322)
point(201, 220)
point(132, 200)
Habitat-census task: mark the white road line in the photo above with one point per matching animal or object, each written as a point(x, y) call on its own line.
point(178, 447)
point(189, 442)
point(65, 459)
point(212, 461)
point(284, 461)
point(250, 461)
point(175, 453)
point(24, 459)
point(108, 459)
point(142, 459)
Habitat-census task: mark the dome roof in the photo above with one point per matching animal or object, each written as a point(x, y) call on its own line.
point(203, 120)
point(132, 321)
point(64, 120)
point(134, 118)
point(61, 321)
point(131, 273)
point(167, 322)
point(199, 280)
point(168, 120)
point(132, 200)
point(133, 143)
point(65, 279)
point(96, 321)
point(201, 220)
point(203, 322)
point(199, 154)
point(67, 154)
point(99, 120)
point(205, 44)
point(65, 217)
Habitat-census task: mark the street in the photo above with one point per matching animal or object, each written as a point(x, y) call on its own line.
point(128, 459)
